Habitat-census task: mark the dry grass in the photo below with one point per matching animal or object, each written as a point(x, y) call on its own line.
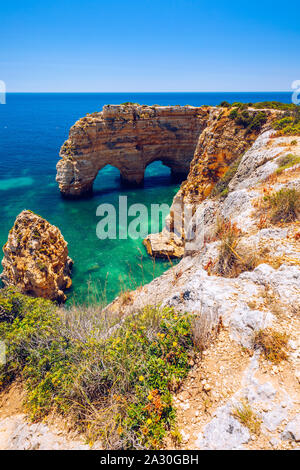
point(231, 263)
point(283, 205)
point(126, 298)
point(205, 329)
point(247, 417)
point(272, 343)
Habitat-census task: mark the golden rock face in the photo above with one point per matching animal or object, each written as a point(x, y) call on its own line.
point(36, 258)
point(129, 137)
point(220, 143)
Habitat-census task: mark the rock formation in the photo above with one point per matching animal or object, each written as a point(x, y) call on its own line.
point(36, 258)
point(222, 142)
point(201, 141)
point(237, 396)
point(239, 393)
point(129, 137)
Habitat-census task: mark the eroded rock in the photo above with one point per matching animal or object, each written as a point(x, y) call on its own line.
point(36, 258)
point(129, 137)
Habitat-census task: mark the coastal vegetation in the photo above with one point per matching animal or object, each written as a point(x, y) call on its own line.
point(272, 343)
point(287, 161)
point(112, 372)
point(288, 123)
point(283, 205)
point(250, 121)
point(115, 383)
point(247, 416)
point(221, 187)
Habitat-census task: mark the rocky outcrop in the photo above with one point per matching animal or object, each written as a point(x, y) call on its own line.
point(36, 258)
point(164, 245)
point(221, 143)
point(235, 397)
point(196, 283)
point(129, 137)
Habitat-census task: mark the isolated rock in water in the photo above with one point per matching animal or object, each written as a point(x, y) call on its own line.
point(164, 245)
point(36, 258)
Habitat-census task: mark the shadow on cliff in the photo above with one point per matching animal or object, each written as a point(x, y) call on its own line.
point(108, 180)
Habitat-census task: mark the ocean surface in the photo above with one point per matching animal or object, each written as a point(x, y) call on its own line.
point(33, 126)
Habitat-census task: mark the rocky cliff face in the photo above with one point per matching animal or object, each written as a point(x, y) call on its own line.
point(36, 258)
point(129, 137)
point(243, 272)
point(221, 143)
point(240, 279)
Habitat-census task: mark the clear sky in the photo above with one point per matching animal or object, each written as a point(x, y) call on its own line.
point(149, 45)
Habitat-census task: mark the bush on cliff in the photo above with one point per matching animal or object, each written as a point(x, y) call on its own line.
point(283, 205)
point(250, 121)
point(221, 188)
point(289, 122)
point(263, 105)
point(287, 161)
point(274, 105)
point(115, 387)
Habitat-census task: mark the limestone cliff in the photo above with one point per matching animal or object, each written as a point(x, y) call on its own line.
point(223, 141)
point(129, 137)
point(240, 280)
point(36, 258)
point(243, 273)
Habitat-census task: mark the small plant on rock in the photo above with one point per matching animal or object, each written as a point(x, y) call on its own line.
point(273, 344)
point(287, 161)
point(284, 205)
point(221, 188)
point(229, 235)
point(247, 417)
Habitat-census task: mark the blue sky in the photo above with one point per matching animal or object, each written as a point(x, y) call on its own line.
point(149, 45)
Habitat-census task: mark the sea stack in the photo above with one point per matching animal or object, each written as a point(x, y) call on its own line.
point(36, 258)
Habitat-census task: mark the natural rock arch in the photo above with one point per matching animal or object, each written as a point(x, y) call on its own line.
point(129, 137)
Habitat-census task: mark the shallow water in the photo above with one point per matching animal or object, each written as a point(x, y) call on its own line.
point(32, 128)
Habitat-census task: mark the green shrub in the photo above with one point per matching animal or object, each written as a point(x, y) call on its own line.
point(251, 121)
point(222, 185)
point(289, 122)
point(247, 417)
point(287, 161)
point(115, 385)
point(239, 105)
point(225, 104)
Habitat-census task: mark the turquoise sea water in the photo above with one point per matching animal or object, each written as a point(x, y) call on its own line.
point(33, 127)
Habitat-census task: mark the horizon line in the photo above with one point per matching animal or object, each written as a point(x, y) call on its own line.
point(144, 92)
